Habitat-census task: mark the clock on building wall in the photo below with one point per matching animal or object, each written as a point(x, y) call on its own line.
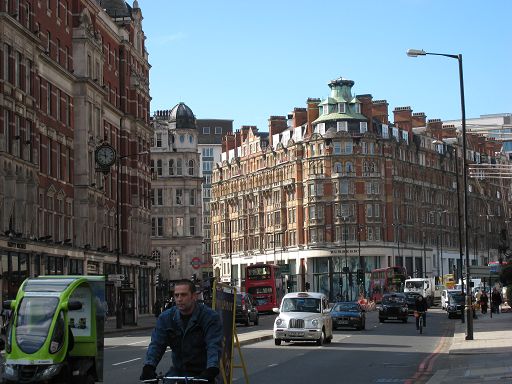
point(105, 155)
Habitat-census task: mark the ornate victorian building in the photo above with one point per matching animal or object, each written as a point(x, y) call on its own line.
point(176, 213)
point(74, 75)
point(336, 187)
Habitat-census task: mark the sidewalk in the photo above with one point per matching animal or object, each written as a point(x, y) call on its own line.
point(486, 358)
point(143, 322)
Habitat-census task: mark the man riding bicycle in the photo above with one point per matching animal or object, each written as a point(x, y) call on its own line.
point(421, 308)
point(194, 333)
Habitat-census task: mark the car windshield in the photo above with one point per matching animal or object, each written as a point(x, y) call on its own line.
point(393, 300)
point(414, 284)
point(33, 322)
point(346, 307)
point(457, 298)
point(301, 304)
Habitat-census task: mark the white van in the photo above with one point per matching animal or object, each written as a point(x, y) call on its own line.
point(444, 297)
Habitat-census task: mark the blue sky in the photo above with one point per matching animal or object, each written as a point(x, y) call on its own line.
point(249, 60)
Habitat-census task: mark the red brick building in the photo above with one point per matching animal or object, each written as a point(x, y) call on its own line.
point(74, 75)
point(338, 186)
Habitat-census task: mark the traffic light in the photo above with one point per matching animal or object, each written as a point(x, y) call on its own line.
point(360, 276)
point(158, 279)
point(289, 285)
point(350, 280)
point(340, 281)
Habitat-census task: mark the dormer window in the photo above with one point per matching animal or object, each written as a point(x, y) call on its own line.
point(342, 107)
point(342, 126)
point(357, 108)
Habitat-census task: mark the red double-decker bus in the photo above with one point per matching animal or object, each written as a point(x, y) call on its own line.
point(264, 283)
point(386, 280)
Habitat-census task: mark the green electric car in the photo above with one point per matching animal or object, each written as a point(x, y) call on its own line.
point(55, 331)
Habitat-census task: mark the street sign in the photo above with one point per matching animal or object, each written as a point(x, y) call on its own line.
point(479, 271)
point(115, 277)
point(196, 262)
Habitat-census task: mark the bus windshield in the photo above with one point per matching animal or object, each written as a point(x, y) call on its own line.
point(258, 273)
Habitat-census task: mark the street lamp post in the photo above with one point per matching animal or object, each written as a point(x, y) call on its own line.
point(346, 270)
point(420, 52)
point(398, 226)
point(362, 264)
point(119, 214)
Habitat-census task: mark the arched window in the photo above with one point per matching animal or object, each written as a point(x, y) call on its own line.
point(179, 167)
point(338, 168)
point(159, 167)
point(173, 259)
point(349, 168)
point(191, 167)
point(156, 256)
point(171, 167)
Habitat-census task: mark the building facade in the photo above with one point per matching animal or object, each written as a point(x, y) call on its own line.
point(75, 75)
point(336, 187)
point(176, 212)
point(211, 132)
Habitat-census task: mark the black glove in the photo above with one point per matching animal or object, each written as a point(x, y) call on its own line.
point(148, 372)
point(209, 374)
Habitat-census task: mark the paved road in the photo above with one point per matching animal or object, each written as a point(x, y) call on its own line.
point(383, 353)
point(124, 352)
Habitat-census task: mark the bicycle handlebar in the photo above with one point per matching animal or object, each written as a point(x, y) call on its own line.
point(180, 379)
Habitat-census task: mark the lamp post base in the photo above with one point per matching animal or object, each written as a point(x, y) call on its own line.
point(119, 320)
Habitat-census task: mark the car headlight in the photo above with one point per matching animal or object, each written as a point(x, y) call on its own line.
point(279, 322)
point(50, 371)
point(404, 309)
point(9, 371)
point(314, 322)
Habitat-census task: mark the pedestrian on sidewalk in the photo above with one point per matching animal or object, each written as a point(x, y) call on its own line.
point(484, 302)
point(495, 300)
point(157, 309)
point(194, 333)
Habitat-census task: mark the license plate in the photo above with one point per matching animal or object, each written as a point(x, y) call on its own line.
point(342, 322)
point(295, 334)
point(392, 317)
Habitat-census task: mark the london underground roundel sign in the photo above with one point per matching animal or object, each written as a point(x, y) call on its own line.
point(196, 262)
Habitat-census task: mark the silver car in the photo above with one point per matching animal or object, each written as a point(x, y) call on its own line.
point(303, 316)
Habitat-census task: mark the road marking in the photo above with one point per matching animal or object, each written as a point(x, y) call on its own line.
point(127, 361)
point(137, 342)
point(272, 365)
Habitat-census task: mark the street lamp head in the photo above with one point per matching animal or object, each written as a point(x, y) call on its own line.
point(416, 52)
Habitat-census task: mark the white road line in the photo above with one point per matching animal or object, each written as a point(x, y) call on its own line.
point(137, 342)
point(128, 361)
point(272, 365)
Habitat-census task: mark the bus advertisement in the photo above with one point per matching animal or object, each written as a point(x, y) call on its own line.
point(386, 280)
point(264, 283)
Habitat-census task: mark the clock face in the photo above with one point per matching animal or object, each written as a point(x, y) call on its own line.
point(105, 156)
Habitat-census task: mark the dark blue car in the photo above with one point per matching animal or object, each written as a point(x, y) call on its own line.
point(348, 314)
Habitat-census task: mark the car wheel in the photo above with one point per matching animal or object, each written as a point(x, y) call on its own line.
point(363, 327)
point(257, 320)
point(321, 339)
point(277, 341)
point(381, 319)
point(404, 320)
point(449, 315)
point(247, 321)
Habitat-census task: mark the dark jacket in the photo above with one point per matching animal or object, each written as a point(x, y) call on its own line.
point(421, 305)
point(193, 349)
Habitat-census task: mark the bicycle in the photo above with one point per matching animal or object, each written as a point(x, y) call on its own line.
point(420, 316)
point(175, 380)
